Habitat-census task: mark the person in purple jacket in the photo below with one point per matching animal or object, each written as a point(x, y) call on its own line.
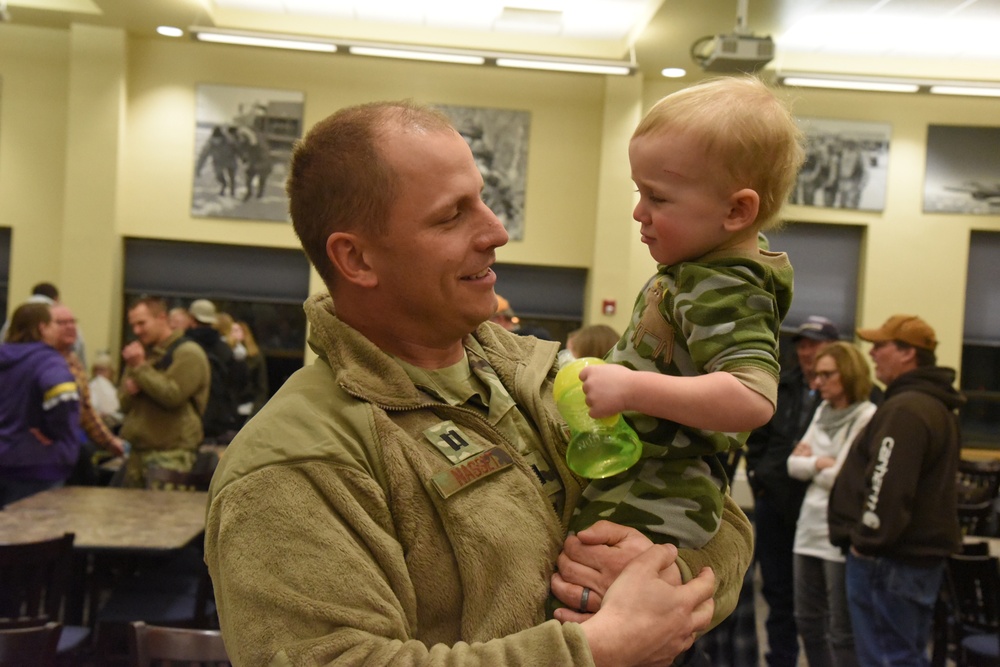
point(39, 406)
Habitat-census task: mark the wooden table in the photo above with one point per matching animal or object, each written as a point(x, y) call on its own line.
point(108, 523)
point(108, 519)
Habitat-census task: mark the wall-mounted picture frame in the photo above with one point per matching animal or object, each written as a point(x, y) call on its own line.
point(243, 139)
point(963, 170)
point(845, 166)
point(499, 142)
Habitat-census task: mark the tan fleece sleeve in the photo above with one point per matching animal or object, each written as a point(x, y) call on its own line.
point(729, 554)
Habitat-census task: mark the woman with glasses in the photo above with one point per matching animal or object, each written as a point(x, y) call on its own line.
point(843, 379)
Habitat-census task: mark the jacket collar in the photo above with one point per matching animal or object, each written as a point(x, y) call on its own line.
point(365, 371)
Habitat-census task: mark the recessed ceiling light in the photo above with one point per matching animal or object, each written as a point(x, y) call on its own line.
point(169, 31)
point(674, 72)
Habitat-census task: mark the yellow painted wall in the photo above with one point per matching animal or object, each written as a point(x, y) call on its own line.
point(159, 154)
point(579, 198)
point(34, 80)
point(912, 262)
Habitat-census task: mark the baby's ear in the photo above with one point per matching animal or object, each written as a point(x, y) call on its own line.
point(743, 207)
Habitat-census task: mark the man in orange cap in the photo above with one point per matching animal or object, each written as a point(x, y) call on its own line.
point(893, 506)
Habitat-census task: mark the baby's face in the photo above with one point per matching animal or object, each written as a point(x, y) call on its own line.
point(683, 206)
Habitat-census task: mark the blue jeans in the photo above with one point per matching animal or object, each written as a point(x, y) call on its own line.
point(892, 607)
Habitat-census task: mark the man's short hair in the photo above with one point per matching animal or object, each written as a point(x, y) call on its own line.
point(338, 179)
point(154, 304)
point(743, 126)
point(923, 356)
point(47, 290)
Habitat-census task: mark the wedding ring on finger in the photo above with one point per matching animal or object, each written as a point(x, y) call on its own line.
point(584, 599)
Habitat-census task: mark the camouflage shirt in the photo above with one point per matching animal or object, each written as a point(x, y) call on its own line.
point(721, 312)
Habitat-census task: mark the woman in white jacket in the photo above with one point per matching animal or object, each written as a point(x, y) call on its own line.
point(844, 381)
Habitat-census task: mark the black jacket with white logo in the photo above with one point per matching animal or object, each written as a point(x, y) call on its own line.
point(895, 496)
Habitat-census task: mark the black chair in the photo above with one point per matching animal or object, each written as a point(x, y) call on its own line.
point(150, 643)
point(974, 590)
point(34, 646)
point(975, 549)
point(976, 518)
point(174, 591)
point(978, 481)
point(34, 578)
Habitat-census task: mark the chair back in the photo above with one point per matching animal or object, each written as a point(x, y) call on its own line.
point(975, 588)
point(975, 518)
point(175, 480)
point(150, 645)
point(33, 581)
point(975, 548)
point(978, 481)
point(30, 646)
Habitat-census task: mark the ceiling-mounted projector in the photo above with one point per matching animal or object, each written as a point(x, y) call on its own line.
point(738, 51)
point(733, 53)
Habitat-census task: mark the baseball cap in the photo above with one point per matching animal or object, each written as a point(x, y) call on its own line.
point(816, 328)
point(203, 310)
point(908, 329)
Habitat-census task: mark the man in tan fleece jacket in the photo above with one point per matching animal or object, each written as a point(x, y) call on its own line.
point(404, 500)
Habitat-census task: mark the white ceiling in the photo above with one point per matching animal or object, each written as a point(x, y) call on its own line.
point(918, 38)
point(585, 19)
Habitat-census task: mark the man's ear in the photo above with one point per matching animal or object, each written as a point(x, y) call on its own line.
point(743, 207)
point(346, 252)
point(908, 353)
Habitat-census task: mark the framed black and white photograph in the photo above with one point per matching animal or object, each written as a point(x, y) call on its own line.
point(963, 170)
point(243, 139)
point(499, 142)
point(846, 164)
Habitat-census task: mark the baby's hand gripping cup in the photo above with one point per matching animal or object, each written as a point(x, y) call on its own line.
point(598, 448)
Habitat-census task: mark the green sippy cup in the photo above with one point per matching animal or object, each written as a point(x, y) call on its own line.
point(598, 448)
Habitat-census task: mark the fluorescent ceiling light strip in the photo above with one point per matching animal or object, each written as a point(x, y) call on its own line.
point(559, 66)
point(270, 42)
point(851, 84)
point(978, 91)
point(405, 54)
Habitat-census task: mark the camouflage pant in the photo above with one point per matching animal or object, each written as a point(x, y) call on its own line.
point(138, 462)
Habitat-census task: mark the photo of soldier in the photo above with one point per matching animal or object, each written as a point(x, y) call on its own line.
point(846, 165)
point(247, 134)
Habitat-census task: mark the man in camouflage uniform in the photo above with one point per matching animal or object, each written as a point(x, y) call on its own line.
point(163, 394)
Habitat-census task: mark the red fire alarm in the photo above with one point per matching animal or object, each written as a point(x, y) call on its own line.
point(609, 307)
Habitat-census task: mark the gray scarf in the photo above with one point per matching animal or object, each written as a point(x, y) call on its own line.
point(832, 420)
